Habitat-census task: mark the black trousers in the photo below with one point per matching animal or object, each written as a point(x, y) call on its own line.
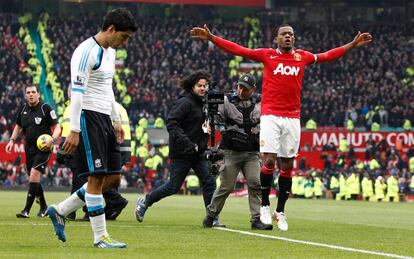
point(179, 169)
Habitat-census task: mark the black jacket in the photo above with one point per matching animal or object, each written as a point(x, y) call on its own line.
point(184, 124)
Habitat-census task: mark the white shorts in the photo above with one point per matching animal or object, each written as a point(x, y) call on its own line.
point(279, 135)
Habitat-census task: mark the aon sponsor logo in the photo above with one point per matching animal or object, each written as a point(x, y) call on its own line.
point(286, 70)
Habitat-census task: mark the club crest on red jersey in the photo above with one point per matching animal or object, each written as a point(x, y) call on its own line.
point(297, 57)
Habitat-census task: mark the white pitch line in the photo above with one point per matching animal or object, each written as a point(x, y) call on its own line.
point(316, 244)
point(240, 232)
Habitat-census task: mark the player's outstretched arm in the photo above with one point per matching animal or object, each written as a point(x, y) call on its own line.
point(226, 45)
point(361, 39)
point(202, 33)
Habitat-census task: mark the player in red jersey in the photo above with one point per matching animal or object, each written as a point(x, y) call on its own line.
point(280, 118)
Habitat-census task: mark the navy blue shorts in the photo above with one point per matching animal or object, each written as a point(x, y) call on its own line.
point(98, 151)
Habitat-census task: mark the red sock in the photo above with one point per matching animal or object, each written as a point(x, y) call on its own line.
point(286, 173)
point(267, 170)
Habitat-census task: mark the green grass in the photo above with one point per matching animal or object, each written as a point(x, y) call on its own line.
point(172, 229)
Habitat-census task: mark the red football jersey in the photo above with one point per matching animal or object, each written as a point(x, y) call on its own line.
point(283, 75)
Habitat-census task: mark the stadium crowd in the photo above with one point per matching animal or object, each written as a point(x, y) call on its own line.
point(366, 87)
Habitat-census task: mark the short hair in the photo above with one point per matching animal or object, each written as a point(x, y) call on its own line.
point(281, 26)
point(193, 78)
point(121, 18)
point(27, 86)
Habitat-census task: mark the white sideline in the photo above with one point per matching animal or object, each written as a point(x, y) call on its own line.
point(240, 232)
point(315, 244)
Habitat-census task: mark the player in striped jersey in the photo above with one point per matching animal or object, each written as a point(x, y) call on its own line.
point(93, 140)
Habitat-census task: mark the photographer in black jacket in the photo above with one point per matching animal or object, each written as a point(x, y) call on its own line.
point(188, 131)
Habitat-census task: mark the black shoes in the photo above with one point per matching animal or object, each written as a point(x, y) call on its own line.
point(113, 213)
point(42, 213)
point(258, 225)
point(71, 216)
point(23, 214)
point(218, 224)
point(210, 222)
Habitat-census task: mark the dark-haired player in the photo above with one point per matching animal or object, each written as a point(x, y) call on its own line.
point(280, 119)
point(93, 139)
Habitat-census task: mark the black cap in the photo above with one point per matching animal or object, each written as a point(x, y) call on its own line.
point(247, 80)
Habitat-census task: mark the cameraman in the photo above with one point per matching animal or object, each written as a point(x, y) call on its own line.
point(188, 138)
point(240, 140)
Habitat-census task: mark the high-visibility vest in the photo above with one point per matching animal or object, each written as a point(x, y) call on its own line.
point(375, 127)
point(352, 184)
point(142, 152)
point(301, 185)
point(218, 181)
point(311, 125)
point(318, 186)
point(392, 187)
point(373, 164)
point(412, 183)
point(343, 146)
point(342, 185)
point(159, 123)
point(359, 165)
point(126, 145)
point(367, 188)
point(139, 131)
point(295, 185)
point(65, 125)
point(149, 163)
point(192, 181)
point(133, 147)
point(143, 122)
point(144, 139)
point(334, 183)
point(350, 125)
point(411, 165)
point(164, 150)
point(407, 125)
point(124, 121)
point(379, 189)
point(157, 161)
point(308, 188)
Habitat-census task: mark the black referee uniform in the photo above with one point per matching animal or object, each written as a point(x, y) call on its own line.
point(35, 121)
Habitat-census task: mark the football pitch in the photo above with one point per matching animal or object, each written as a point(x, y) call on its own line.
point(172, 229)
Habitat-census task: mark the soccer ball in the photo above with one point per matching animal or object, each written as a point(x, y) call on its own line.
point(41, 141)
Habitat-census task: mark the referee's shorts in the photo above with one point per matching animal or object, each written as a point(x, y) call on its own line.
point(36, 159)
